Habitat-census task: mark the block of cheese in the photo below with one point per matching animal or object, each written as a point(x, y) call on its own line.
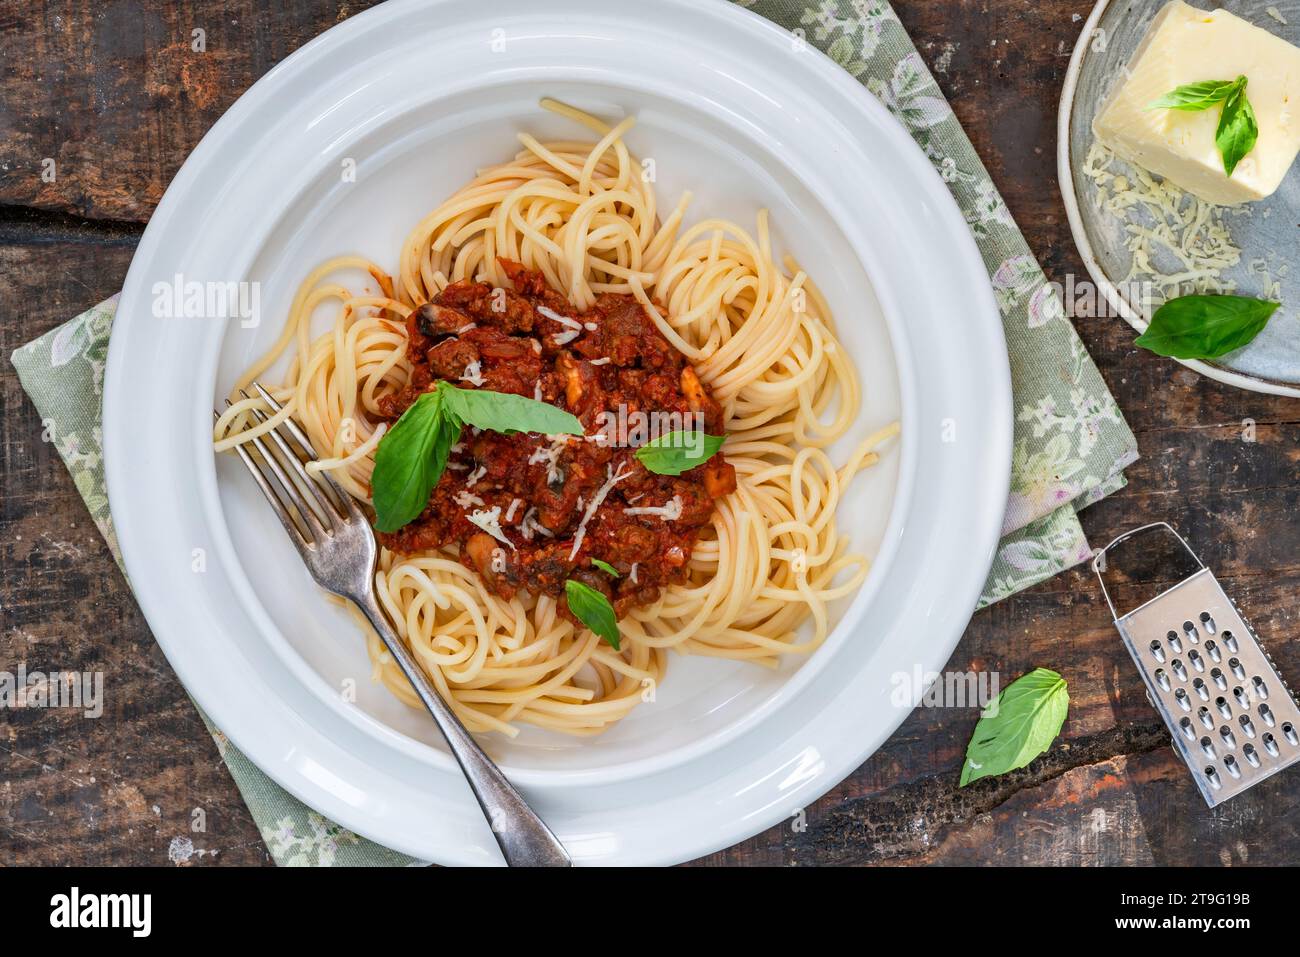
point(1185, 45)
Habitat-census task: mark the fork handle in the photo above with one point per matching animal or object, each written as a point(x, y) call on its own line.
point(524, 838)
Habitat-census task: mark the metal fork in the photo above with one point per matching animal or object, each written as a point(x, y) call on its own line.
point(338, 546)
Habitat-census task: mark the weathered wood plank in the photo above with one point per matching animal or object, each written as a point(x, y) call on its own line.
point(122, 788)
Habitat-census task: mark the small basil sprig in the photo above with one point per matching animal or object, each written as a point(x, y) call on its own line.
point(1205, 327)
point(678, 452)
point(412, 455)
point(592, 609)
point(1017, 727)
point(1238, 130)
point(605, 567)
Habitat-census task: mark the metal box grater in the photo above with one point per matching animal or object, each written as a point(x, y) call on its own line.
point(1230, 714)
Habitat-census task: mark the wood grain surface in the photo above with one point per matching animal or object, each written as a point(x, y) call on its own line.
point(114, 94)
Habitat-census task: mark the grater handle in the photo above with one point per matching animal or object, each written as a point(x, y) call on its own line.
point(1099, 559)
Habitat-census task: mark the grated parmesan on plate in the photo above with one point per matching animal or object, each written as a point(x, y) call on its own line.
point(1178, 242)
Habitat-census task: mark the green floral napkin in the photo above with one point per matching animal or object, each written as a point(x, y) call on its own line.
point(1071, 443)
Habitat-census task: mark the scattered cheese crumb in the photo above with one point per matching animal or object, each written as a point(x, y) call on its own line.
point(562, 320)
point(490, 521)
point(473, 373)
point(670, 511)
point(530, 525)
point(1178, 242)
point(613, 479)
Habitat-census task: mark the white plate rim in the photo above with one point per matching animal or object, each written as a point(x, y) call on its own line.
point(1000, 381)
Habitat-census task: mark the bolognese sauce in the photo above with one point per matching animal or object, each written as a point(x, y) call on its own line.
point(529, 511)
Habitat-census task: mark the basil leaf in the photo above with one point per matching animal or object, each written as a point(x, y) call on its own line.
point(503, 412)
point(1195, 97)
point(1238, 130)
point(592, 609)
point(1205, 327)
point(605, 567)
point(409, 461)
point(1019, 726)
point(673, 454)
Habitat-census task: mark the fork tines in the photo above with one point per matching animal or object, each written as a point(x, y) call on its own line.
point(280, 472)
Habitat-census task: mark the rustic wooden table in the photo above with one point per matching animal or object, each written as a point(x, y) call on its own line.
point(113, 92)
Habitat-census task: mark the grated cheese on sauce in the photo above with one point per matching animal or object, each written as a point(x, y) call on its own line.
point(564, 338)
point(490, 521)
point(613, 479)
point(472, 479)
point(514, 504)
point(551, 456)
point(473, 373)
point(530, 526)
point(465, 499)
point(670, 511)
point(562, 320)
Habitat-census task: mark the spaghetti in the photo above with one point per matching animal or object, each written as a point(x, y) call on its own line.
point(758, 334)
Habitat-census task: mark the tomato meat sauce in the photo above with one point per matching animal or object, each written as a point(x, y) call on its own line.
point(529, 511)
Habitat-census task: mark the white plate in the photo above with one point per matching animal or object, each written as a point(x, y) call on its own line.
point(1263, 231)
point(417, 95)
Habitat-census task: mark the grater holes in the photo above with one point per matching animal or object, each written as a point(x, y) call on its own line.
point(1260, 689)
point(1230, 642)
point(1190, 631)
point(1222, 704)
point(1180, 672)
point(1206, 718)
point(1207, 622)
point(1207, 746)
point(1202, 692)
point(1230, 763)
point(1270, 744)
point(1229, 739)
point(1162, 679)
point(1247, 725)
point(1175, 643)
point(1242, 701)
point(1181, 697)
point(1185, 725)
point(1212, 650)
point(1252, 756)
point(1220, 682)
point(1212, 776)
point(1234, 665)
point(1157, 650)
point(1288, 731)
point(1197, 661)
point(1266, 713)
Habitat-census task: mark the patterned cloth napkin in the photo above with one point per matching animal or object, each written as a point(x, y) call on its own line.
point(1071, 443)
